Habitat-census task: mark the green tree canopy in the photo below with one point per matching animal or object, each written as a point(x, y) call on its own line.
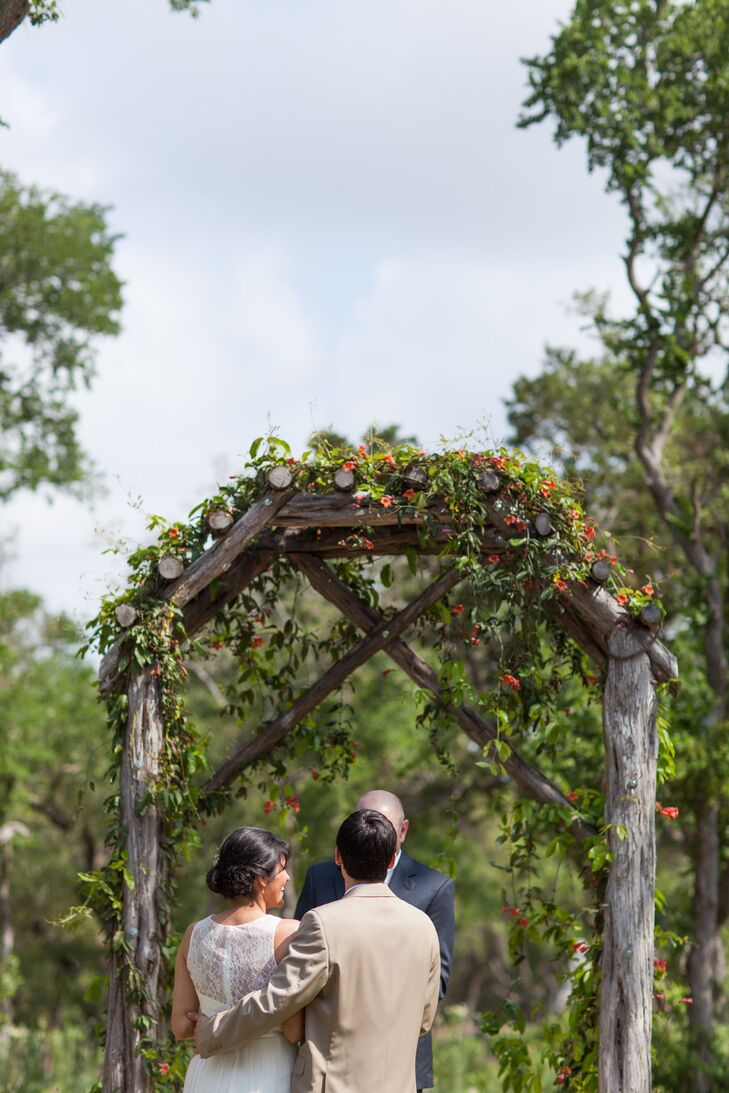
point(58, 291)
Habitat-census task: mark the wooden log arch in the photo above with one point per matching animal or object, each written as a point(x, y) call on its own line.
point(312, 528)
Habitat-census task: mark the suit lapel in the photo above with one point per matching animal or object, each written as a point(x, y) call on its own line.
point(403, 879)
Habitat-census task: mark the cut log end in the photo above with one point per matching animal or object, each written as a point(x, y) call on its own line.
point(125, 614)
point(650, 615)
point(344, 480)
point(219, 520)
point(170, 567)
point(280, 478)
point(415, 477)
point(543, 525)
point(489, 482)
point(600, 571)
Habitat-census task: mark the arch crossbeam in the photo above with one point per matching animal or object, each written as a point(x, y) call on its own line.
point(360, 614)
point(386, 631)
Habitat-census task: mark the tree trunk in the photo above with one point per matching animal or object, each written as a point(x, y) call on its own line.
point(703, 958)
point(631, 752)
point(12, 14)
point(135, 975)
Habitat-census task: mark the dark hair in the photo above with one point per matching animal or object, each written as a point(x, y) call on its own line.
point(366, 841)
point(247, 853)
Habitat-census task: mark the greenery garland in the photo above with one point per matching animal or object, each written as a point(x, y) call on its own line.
point(503, 594)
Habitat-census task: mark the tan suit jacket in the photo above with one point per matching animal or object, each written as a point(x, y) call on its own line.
point(367, 968)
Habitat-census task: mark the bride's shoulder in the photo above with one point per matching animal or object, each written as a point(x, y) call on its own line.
point(285, 930)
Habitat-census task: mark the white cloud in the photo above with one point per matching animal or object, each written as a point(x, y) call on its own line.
point(329, 219)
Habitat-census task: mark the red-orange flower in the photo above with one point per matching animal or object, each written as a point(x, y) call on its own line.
point(492, 559)
point(588, 533)
point(256, 643)
point(687, 1001)
point(510, 911)
point(622, 599)
point(573, 795)
point(164, 1068)
point(387, 500)
point(349, 465)
point(523, 922)
point(580, 946)
point(498, 461)
point(511, 681)
point(647, 589)
point(409, 494)
point(560, 585)
point(659, 996)
point(660, 966)
point(268, 807)
point(389, 459)
point(670, 812)
point(294, 803)
point(515, 522)
point(457, 609)
point(173, 533)
point(362, 451)
point(547, 486)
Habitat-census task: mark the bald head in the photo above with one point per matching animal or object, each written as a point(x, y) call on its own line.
point(381, 800)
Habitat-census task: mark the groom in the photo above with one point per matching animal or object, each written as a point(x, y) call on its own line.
point(366, 968)
point(409, 879)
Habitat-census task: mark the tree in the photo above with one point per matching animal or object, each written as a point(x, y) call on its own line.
point(646, 83)
point(13, 12)
point(52, 758)
point(58, 292)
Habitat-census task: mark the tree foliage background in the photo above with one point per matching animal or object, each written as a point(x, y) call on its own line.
point(643, 422)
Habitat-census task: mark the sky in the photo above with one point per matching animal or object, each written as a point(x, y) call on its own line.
point(327, 217)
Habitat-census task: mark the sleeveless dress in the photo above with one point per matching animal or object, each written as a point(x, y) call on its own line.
point(226, 963)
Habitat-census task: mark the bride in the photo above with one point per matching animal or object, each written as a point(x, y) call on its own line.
point(225, 956)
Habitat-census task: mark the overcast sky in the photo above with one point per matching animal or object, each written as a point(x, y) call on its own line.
point(328, 218)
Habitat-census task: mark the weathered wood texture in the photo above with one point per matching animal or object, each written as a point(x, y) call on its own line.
point(204, 570)
point(219, 593)
point(600, 614)
point(216, 560)
point(366, 618)
point(631, 753)
point(337, 542)
point(12, 14)
point(272, 733)
point(124, 1069)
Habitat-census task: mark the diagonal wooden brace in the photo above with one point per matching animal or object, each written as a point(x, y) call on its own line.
point(379, 637)
point(360, 614)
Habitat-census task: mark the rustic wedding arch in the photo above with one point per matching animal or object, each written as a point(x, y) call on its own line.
point(365, 505)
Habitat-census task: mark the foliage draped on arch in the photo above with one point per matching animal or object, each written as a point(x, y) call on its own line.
point(515, 540)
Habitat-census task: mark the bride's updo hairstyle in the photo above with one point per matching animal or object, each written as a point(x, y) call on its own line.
point(247, 853)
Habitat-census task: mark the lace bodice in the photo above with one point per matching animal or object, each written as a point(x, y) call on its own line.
point(227, 962)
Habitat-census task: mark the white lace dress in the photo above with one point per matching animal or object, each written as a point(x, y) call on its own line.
point(226, 963)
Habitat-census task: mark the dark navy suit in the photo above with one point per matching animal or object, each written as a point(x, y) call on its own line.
point(419, 886)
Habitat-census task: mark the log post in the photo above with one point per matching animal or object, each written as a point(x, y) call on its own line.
point(631, 753)
point(124, 1068)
